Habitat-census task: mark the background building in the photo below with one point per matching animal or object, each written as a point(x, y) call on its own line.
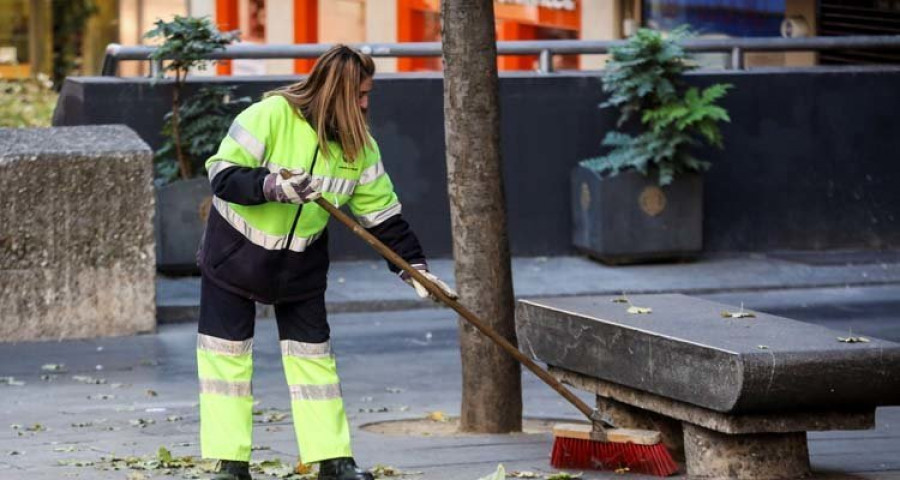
point(28, 27)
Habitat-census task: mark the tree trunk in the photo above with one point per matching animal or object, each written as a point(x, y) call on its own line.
point(492, 383)
point(184, 164)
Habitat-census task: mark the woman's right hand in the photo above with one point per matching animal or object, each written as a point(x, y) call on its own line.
point(290, 186)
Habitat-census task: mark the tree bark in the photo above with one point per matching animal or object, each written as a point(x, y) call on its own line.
point(492, 382)
point(184, 164)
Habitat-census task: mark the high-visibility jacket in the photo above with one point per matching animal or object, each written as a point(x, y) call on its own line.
point(271, 251)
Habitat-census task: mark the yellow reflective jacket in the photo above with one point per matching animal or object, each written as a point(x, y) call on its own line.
point(272, 251)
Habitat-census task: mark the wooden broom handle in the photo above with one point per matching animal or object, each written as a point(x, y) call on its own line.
point(460, 309)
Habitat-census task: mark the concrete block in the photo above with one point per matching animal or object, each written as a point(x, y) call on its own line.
point(77, 255)
point(762, 456)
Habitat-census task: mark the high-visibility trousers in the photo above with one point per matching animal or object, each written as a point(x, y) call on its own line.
point(225, 366)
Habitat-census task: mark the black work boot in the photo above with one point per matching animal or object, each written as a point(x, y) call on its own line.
point(232, 470)
point(343, 468)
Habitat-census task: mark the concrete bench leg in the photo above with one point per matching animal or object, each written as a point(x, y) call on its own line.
point(623, 415)
point(759, 456)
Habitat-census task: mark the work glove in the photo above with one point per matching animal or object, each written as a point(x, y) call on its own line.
point(290, 186)
point(420, 289)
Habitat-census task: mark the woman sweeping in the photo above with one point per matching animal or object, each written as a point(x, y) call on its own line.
point(265, 242)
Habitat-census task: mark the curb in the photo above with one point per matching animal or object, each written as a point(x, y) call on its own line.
point(169, 314)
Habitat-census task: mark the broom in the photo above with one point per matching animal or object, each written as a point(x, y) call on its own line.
point(574, 446)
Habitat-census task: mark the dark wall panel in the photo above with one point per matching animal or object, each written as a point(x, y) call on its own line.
point(810, 159)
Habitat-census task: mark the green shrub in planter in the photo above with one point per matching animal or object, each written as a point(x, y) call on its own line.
point(653, 210)
point(192, 129)
point(204, 119)
point(186, 42)
point(644, 80)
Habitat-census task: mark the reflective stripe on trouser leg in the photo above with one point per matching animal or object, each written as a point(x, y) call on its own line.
point(316, 404)
point(226, 400)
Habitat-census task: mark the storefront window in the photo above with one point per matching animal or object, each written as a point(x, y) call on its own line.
point(733, 18)
point(14, 55)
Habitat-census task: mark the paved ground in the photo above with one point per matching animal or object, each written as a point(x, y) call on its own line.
point(401, 364)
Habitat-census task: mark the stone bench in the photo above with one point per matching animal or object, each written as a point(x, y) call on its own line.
point(76, 233)
point(733, 397)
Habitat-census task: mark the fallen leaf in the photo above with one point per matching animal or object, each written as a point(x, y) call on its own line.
point(89, 380)
point(53, 367)
point(762, 347)
point(621, 471)
point(500, 474)
point(382, 471)
point(634, 310)
point(103, 396)
point(141, 422)
point(620, 300)
point(853, 339)
point(164, 455)
point(273, 467)
point(151, 393)
point(37, 427)
point(564, 476)
point(174, 418)
point(75, 463)
point(273, 417)
point(11, 381)
point(437, 416)
point(727, 314)
point(523, 474)
point(374, 410)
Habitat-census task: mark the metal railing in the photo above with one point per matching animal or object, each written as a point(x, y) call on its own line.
point(544, 49)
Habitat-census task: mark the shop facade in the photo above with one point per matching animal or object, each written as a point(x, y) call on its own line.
point(26, 27)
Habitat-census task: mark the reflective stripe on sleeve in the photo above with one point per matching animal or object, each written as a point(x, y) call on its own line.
point(224, 347)
point(228, 389)
point(372, 173)
point(258, 237)
point(341, 186)
point(246, 140)
point(373, 219)
point(305, 350)
point(330, 391)
point(217, 167)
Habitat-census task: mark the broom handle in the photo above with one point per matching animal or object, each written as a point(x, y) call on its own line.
point(460, 309)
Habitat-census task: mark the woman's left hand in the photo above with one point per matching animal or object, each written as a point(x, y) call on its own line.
point(423, 292)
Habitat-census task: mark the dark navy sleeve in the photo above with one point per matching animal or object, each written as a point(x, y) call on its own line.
point(399, 237)
point(241, 185)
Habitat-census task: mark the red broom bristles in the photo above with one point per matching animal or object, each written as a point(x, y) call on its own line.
point(576, 453)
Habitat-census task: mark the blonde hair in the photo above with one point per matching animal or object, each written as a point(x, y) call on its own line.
point(329, 99)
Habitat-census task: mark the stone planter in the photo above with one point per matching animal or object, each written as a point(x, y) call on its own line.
point(181, 210)
point(629, 218)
